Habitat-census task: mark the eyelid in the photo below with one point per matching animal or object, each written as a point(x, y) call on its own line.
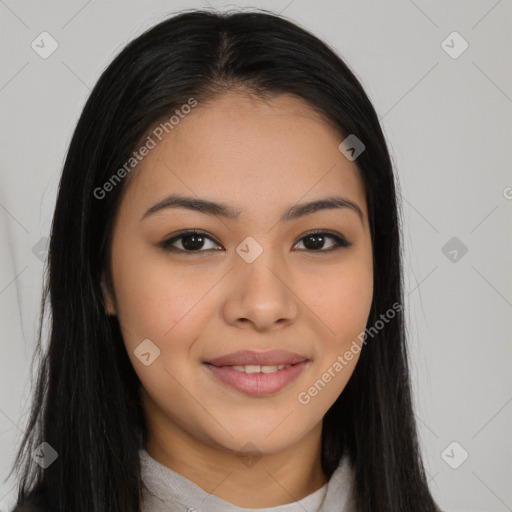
point(320, 231)
point(340, 241)
point(166, 244)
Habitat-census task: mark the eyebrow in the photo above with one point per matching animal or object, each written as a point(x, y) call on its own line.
point(223, 210)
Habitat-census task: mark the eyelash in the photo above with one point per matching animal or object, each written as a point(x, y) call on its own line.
point(340, 242)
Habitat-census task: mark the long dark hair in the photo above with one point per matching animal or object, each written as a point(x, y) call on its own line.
point(86, 402)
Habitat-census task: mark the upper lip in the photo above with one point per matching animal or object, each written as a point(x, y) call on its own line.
point(251, 357)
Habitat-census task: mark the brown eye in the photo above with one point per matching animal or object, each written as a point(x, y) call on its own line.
point(194, 242)
point(191, 241)
point(315, 241)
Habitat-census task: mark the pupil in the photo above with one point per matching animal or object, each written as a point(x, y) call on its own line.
point(317, 241)
point(197, 241)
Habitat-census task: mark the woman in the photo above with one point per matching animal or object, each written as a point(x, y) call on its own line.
point(225, 287)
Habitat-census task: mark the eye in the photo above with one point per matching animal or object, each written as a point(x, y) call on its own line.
point(193, 242)
point(315, 240)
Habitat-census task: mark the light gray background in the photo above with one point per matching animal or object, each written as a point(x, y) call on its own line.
point(448, 122)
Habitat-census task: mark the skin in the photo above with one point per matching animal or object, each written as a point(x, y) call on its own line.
point(261, 157)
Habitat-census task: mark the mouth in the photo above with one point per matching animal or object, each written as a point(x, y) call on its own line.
point(257, 379)
point(256, 358)
point(256, 368)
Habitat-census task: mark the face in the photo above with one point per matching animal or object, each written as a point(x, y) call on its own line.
point(250, 281)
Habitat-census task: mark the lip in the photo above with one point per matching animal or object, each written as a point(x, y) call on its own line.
point(257, 384)
point(267, 358)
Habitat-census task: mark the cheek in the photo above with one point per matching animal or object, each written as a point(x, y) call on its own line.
point(341, 300)
point(343, 307)
point(157, 302)
point(353, 300)
point(156, 299)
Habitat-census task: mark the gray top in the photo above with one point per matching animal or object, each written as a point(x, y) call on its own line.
point(166, 490)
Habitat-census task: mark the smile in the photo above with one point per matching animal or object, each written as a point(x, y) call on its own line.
point(257, 380)
point(256, 368)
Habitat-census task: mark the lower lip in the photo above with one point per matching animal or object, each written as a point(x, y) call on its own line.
point(257, 384)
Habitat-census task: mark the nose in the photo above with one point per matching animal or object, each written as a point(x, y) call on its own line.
point(260, 295)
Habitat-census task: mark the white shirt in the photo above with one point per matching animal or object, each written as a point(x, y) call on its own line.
point(166, 490)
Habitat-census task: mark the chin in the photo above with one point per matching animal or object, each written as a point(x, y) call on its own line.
point(263, 441)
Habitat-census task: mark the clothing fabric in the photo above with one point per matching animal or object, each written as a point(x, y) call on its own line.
point(166, 490)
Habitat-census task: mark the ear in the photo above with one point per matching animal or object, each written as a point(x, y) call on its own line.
point(107, 298)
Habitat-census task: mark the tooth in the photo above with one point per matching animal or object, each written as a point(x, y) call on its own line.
point(252, 368)
point(255, 368)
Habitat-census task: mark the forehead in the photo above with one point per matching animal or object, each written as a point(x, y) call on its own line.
point(252, 153)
